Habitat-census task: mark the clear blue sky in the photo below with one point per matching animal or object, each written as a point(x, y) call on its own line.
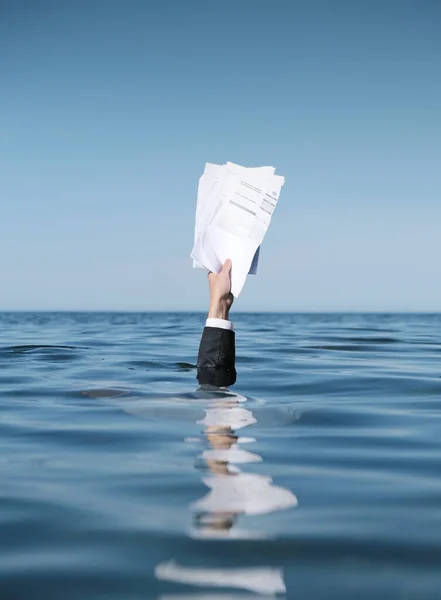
point(109, 110)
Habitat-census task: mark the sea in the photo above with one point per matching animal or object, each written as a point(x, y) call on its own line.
point(316, 476)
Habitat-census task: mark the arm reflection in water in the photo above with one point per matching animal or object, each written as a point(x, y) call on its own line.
point(232, 492)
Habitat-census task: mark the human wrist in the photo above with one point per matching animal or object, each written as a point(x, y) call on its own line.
point(219, 310)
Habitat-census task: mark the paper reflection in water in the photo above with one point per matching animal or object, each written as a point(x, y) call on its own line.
point(232, 493)
point(261, 580)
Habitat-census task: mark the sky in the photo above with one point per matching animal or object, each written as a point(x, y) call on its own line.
point(110, 109)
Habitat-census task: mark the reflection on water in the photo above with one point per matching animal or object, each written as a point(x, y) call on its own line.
point(261, 580)
point(98, 487)
point(232, 493)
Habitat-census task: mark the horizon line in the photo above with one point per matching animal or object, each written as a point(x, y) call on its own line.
point(203, 311)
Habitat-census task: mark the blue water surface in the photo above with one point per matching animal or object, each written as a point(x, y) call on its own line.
point(318, 475)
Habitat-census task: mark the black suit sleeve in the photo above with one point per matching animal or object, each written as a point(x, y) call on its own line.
point(216, 358)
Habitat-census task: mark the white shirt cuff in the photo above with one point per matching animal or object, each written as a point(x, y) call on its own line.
point(219, 323)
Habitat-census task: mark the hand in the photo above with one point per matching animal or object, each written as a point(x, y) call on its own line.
point(221, 297)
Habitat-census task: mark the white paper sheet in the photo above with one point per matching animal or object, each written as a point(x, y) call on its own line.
point(233, 212)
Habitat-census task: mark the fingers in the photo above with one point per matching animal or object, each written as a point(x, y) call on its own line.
point(226, 269)
point(227, 266)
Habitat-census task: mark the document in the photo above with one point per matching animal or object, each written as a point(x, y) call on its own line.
point(233, 212)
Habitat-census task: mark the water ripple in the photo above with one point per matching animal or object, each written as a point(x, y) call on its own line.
point(317, 477)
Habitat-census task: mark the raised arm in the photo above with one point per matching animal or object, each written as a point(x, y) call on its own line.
point(217, 353)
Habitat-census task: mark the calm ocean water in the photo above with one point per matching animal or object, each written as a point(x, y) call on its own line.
point(317, 476)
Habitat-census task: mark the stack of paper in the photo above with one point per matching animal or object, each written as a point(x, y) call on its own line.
point(233, 212)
